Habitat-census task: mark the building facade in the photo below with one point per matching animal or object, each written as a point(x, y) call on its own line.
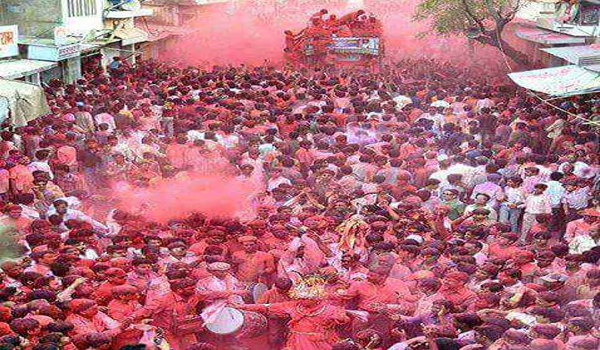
point(67, 33)
point(563, 35)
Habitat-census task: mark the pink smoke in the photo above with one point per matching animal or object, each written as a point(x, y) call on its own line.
point(252, 31)
point(214, 195)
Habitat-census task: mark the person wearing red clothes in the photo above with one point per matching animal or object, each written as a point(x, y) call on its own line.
point(454, 290)
point(278, 294)
point(252, 264)
point(380, 296)
point(312, 320)
point(86, 318)
point(169, 311)
point(124, 303)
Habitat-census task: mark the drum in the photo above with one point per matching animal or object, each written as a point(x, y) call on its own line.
point(257, 290)
point(228, 321)
point(255, 324)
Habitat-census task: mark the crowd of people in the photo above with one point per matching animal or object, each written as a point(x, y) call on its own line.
point(426, 206)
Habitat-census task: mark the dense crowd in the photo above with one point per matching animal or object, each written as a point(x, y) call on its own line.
point(423, 207)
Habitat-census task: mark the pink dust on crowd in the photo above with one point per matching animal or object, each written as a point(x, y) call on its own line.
point(215, 194)
point(251, 31)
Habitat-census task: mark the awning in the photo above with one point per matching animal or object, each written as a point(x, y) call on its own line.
point(547, 37)
point(559, 81)
point(587, 56)
point(130, 36)
point(158, 32)
point(21, 68)
point(25, 101)
point(207, 2)
point(573, 54)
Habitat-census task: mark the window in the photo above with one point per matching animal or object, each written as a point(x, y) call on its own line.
point(81, 8)
point(589, 15)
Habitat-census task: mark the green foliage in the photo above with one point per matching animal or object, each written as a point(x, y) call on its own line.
point(450, 17)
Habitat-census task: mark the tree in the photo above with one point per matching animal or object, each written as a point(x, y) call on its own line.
point(480, 20)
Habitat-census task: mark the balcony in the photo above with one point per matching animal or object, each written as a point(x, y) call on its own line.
point(579, 20)
point(120, 14)
point(120, 9)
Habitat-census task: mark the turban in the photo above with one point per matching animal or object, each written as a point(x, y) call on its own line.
point(329, 270)
point(78, 305)
point(119, 261)
point(457, 276)
point(42, 319)
point(247, 239)
point(554, 278)
point(543, 344)
point(69, 117)
point(257, 223)
point(124, 289)
point(219, 266)
point(114, 272)
point(527, 254)
point(590, 212)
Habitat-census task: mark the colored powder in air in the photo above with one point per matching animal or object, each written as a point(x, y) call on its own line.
point(214, 195)
point(251, 31)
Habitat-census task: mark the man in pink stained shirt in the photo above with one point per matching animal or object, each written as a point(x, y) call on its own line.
point(21, 176)
point(252, 264)
point(170, 310)
point(378, 294)
point(590, 220)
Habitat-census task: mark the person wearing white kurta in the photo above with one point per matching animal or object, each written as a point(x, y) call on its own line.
point(218, 290)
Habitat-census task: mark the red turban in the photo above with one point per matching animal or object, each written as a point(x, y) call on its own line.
point(78, 305)
point(124, 289)
point(457, 276)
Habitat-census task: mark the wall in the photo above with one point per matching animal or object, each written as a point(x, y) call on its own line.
point(71, 69)
point(108, 52)
point(81, 25)
point(54, 73)
point(36, 18)
point(163, 14)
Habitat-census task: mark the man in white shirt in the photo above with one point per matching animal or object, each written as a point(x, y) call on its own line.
point(536, 203)
point(512, 206)
point(217, 290)
point(276, 179)
point(61, 207)
point(41, 163)
point(556, 192)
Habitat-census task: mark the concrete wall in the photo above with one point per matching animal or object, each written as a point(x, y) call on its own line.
point(164, 14)
point(36, 18)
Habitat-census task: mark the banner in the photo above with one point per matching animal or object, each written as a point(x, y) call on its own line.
point(9, 46)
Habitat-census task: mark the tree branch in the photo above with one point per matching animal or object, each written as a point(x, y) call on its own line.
point(472, 16)
point(486, 40)
point(512, 13)
point(489, 6)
